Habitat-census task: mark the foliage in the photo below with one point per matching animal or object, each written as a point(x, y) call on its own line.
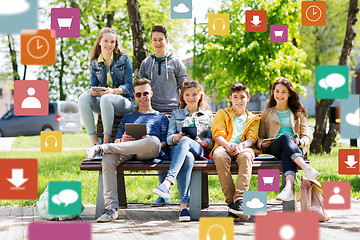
point(250, 57)
point(73, 59)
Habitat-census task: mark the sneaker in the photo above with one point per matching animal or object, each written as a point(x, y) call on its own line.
point(162, 191)
point(310, 173)
point(286, 194)
point(184, 215)
point(99, 142)
point(236, 218)
point(93, 152)
point(237, 209)
point(109, 214)
point(159, 202)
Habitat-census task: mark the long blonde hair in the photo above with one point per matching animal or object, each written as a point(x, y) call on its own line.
point(96, 50)
point(201, 104)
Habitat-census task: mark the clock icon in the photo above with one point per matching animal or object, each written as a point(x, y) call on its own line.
point(313, 13)
point(38, 47)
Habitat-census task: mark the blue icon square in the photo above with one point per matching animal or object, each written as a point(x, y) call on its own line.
point(349, 117)
point(255, 203)
point(18, 15)
point(181, 9)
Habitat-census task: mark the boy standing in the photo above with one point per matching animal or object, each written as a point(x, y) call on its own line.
point(235, 130)
point(166, 73)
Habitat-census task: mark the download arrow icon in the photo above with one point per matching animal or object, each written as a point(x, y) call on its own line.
point(17, 177)
point(256, 20)
point(350, 161)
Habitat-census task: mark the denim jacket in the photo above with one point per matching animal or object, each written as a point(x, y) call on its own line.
point(121, 74)
point(182, 118)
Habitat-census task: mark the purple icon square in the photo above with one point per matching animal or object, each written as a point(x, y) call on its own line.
point(268, 180)
point(59, 231)
point(278, 33)
point(66, 22)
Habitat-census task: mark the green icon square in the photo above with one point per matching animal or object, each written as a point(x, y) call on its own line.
point(332, 82)
point(65, 198)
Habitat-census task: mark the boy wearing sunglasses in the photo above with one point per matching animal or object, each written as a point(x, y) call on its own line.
point(235, 130)
point(125, 147)
point(166, 73)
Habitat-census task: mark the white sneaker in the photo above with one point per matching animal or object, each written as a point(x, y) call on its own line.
point(310, 173)
point(93, 152)
point(286, 195)
point(109, 214)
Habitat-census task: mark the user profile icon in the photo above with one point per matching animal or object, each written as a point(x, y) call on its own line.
point(31, 97)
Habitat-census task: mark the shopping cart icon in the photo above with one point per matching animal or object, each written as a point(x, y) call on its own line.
point(268, 180)
point(278, 33)
point(64, 22)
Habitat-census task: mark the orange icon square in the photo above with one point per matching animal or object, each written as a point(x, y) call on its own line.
point(19, 179)
point(51, 141)
point(255, 21)
point(349, 161)
point(219, 24)
point(37, 47)
point(313, 13)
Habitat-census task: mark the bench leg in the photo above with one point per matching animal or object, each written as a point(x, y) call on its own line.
point(204, 191)
point(195, 195)
point(100, 204)
point(288, 206)
point(121, 189)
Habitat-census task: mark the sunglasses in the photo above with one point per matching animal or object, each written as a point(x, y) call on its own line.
point(190, 83)
point(138, 94)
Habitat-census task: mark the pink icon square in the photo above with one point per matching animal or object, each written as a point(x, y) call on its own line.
point(278, 33)
point(31, 97)
point(66, 22)
point(287, 226)
point(59, 231)
point(337, 195)
point(268, 180)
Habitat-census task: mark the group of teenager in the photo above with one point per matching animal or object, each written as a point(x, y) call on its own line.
point(233, 134)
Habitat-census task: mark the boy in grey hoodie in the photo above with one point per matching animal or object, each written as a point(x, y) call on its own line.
point(165, 71)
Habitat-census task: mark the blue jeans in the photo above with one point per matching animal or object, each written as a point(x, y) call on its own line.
point(107, 105)
point(182, 158)
point(285, 149)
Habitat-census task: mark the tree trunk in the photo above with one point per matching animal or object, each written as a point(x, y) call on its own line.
point(324, 141)
point(138, 34)
point(12, 51)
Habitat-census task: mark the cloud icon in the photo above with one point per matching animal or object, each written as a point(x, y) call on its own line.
point(181, 8)
point(254, 203)
point(12, 7)
point(353, 118)
point(333, 80)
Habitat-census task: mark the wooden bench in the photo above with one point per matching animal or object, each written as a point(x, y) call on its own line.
point(199, 192)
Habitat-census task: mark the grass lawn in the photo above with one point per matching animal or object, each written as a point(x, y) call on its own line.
point(64, 166)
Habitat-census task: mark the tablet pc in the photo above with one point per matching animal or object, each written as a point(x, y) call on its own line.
point(191, 131)
point(98, 89)
point(269, 139)
point(137, 131)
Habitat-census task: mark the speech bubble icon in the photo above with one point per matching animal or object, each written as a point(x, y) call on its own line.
point(323, 84)
point(335, 80)
point(55, 199)
point(68, 196)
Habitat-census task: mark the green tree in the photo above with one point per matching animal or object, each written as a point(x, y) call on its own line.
point(250, 57)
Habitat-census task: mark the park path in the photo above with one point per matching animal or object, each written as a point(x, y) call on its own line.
point(144, 222)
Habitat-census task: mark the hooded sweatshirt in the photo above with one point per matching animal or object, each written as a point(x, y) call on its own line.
point(166, 79)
